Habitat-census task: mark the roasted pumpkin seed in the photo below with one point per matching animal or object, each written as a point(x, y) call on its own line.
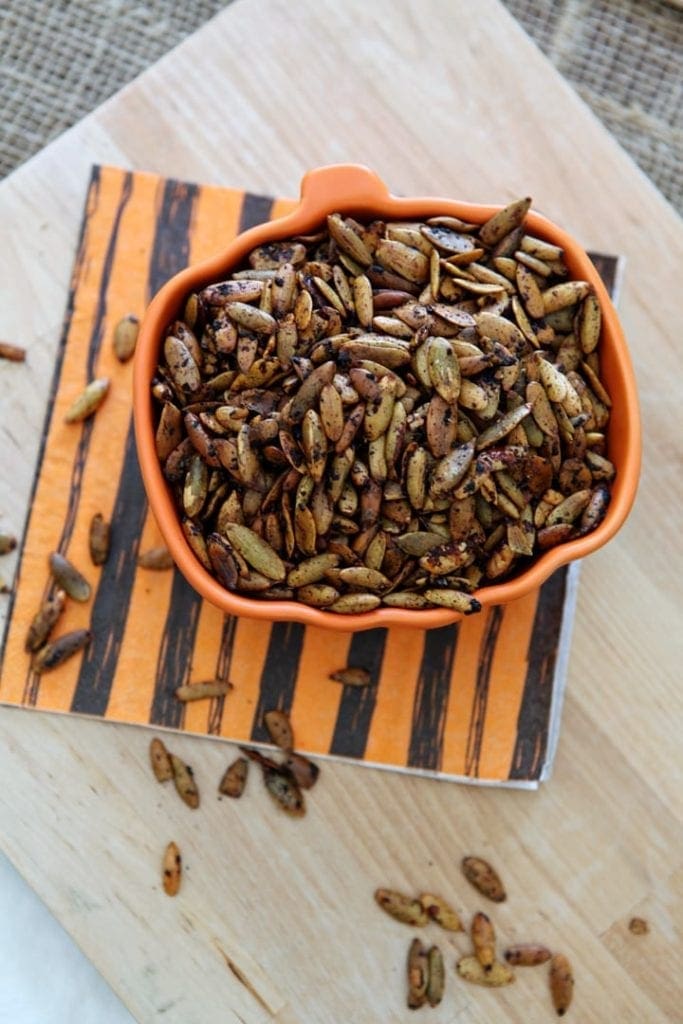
point(126, 336)
point(160, 760)
point(69, 578)
point(442, 912)
point(45, 620)
point(638, 926)
point(484, 878)
point(527, 954)
point(158, 559)
point(483, 939)
point(185, 784)
point(88, 402)
point(13, 353)
point(352, 676)
point(303, 771)
point(561, 983)
point(234, 778)
point(417, 967)
point(284, 791)
point(497, 975)
point(436, 971)
point(279, 729)
point(203, 691)
point(172, 870)
point(7, 543)
point(99, 539)
point(57, 651)
point(401, 908)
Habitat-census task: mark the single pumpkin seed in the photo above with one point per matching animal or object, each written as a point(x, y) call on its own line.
point(160, 759)
point(203, 691)
point(172, 870)
point(45, 620)
point(456, 600)
point(13, 353)
point(126, 336)
point(561, 983)
point(7, 543)
point(284, 791)
point(99, 539)
point(442, 912)
point(638, 926)
point(498, 974)
point(417, 967)
point(256, 551)
point(504, 221)
point(57, 651)
point(279, 729)
point(183, 779)
point(484, 878)
point(67, 576)
point(303, 771)
point(234, 778)
point(401, 908)
point(88, 402)
point(436, 976)
point(483, 939)
point(527, 954)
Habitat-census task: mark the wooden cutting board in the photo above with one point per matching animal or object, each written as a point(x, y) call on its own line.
point(276, 920)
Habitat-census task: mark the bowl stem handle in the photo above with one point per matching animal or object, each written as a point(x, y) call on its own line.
point(346, 186)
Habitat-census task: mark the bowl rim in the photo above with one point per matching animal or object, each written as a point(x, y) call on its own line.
point(354, 189)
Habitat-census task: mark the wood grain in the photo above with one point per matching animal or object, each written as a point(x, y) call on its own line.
point(276, 920)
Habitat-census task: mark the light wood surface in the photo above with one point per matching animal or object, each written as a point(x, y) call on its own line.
point(438, 97)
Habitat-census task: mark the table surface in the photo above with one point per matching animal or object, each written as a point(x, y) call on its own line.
point(276, 920)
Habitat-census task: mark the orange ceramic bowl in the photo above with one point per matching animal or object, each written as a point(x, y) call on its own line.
point(355, 190)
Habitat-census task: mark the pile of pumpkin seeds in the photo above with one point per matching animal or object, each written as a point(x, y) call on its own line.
point(426, 976)
point(284, 780)
point(386, 413)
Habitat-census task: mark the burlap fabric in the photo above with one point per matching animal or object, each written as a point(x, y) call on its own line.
point(60, 58)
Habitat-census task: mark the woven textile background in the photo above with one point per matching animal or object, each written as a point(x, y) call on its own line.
point(60, 58)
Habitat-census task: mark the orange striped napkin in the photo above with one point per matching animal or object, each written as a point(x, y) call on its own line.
point(477, 701)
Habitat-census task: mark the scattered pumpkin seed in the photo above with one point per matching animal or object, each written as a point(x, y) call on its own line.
point(442, 912)
point(160, 760)
point(88, 402)
point(484, 878)
point(56, 652)
point(471, 969)
point(7, 543)
point(279, 729)
point(99, 539)
point(304, 772)
point(172, 870)
point(561, 983)
point(436, 976)
point(203, 691)
point(185, 784)
point(638, 926)
point(45, 620)
point(527, 954)
point(69, 578)
point(13, 353)
point(352, 676)
point(401, 908)
point(418, 974)
point(125, 337)
point(284, 790)
point(158, 559)
point(483, 939)
point(234, 779)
